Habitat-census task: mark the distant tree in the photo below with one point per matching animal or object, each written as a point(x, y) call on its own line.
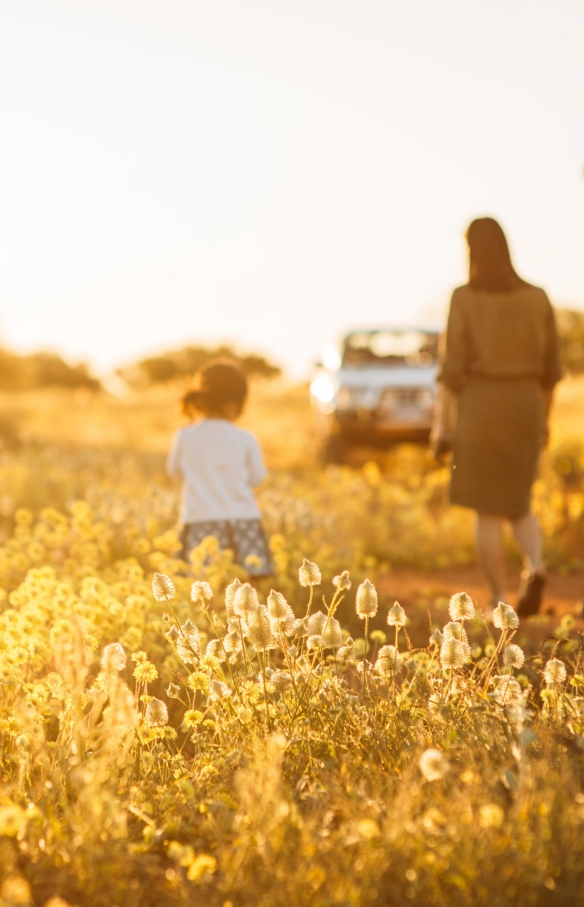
point(184, 362)
point(571, 331)
point(21, 373)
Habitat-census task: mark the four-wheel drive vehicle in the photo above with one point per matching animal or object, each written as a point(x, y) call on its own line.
point(380, 390)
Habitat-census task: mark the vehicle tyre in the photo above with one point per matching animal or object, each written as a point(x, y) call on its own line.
point(335, 450)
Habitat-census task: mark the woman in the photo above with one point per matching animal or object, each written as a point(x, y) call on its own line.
point(499, 367)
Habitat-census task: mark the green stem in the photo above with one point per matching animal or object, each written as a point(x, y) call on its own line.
point(263, 665)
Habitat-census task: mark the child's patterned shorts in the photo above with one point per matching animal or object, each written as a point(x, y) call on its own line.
point(246, 538)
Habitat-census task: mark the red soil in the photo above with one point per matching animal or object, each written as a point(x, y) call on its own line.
point(563, 594)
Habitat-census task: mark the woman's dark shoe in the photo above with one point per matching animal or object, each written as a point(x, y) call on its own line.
point(530, 594)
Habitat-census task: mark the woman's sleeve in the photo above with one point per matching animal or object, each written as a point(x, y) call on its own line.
point(257, 469)
point(455, 348)
point(173, 467)
point(552, 371)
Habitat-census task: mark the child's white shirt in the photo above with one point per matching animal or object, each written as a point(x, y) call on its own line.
point(220, 465)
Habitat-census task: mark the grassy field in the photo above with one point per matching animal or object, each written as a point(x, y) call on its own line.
point(165, 743)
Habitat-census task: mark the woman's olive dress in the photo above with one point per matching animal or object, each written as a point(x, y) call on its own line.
point(501, 353)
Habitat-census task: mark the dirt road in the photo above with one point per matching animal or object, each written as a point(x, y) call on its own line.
point(563, 595)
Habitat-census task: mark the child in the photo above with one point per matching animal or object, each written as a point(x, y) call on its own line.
point(220, 465)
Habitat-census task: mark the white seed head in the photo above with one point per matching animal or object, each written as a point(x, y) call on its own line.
point(283, 625)
point(555, 671)
point(309, 574)
point(229, 597)
point(156, 713)
point(201, 591)
point(388, 661)
point(461, 607)
point(366, 600)
point(282, 616)
point(281, 681)
point(342, 582)
point(113, 658)
point(245, 601)
point(300, 626)
point(437, 638)
point(346, 652)
point(396, 616)
point(188, 644)
point(315, 623)
point(315, 642)
point(452, 653)
point(507, 692)
point(172, 691)
point(173, 633)
point(456, 631)
point(513, 656)
point(162, 587)
point(277, 605)
point(215, 649)
point(260, 630)
point(218, 690)
point(332, 634)
point(505, 617)
point(433, 765)
point(232, 643)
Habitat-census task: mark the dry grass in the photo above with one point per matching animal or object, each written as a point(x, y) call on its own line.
point(243, 787)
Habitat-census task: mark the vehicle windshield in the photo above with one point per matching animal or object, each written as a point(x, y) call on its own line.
point(389, 348)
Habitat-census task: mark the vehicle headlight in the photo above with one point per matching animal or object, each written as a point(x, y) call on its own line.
point(323, 389)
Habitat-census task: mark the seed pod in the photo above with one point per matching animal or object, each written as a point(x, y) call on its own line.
point(555, 671)
point(113, 658)
point(156, 713)
point(188, 644)
point(230, 596)
point(281, 681)
point(162, 587)
point(215, 649)
point(388, 661)
point(505, 617)
point(366, 600)
point(433, 765)
point(332, 634)
point(342, 582)
point(218, 690)
point(452, 653)
point(396, 616)
point(309, 574)
point(245, 601)
point(457, 631)
point(201, 591)
point(315, 623)
point(260, 631)
point(513, 656)
point(507, 691)
point(461, 607)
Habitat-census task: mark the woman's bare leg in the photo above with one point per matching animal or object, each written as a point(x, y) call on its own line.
point(527, 532)
point(491, 552)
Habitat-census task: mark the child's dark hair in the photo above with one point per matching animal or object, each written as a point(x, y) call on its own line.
point(215, 385)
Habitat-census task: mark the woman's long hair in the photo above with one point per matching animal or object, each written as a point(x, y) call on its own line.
point(490, 266)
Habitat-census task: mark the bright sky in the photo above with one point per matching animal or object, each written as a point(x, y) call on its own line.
point(273, 172)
